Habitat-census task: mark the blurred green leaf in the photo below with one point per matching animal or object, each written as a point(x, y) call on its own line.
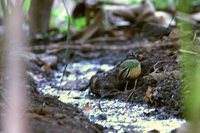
point(26, 5)
point(160, 4)
point(80, 23)
point(135, 1)
point(190, 65)
point(63, 30)
point(55, 12)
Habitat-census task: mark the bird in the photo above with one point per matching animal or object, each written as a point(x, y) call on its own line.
point(128, 70)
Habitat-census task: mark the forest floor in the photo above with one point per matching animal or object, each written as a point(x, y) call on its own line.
point(160, 71)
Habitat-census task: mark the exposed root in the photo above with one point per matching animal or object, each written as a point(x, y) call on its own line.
point(163, 75)
point(154, 66)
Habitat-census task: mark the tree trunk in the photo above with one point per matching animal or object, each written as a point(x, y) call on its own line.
point(39, 16)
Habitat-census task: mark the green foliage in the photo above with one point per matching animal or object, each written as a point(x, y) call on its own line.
point(1, 11)
point(187, 4)
point(26, 5)
point(58, 18)
point(190, 66)
point(80, 23)
point(160, 4)
point(55, 12)
point(163, 4)
point(135, 1)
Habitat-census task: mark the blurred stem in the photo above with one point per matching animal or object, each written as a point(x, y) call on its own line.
point(190, 68)
point(4, 8)
point(68, 41)
point(14, 92)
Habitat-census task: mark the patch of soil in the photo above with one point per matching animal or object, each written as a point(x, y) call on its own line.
point(48, 115)
point(160, 70)
point(159, 62)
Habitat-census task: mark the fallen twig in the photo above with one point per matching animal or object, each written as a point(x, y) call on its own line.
point(187, 52)
point(163, 75)
point(57, 47)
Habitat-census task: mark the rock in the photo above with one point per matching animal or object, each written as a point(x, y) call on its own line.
point(103, 84)
point(50, 60)
point(184, 128)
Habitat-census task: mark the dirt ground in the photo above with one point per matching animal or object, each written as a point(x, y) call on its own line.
point(52, 116)
point(160, 62)
point(160, 71)
point(46, 114)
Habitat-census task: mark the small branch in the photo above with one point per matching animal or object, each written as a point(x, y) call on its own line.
point(188, 52)
point(154, 66)
point(68, 40)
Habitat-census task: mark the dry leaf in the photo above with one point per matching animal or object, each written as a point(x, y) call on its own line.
point(144, 11)
point(150, 93)
point(93, 28)
point(46, 68)
point(196, 17)
point(165, 18)
point(88, 108)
